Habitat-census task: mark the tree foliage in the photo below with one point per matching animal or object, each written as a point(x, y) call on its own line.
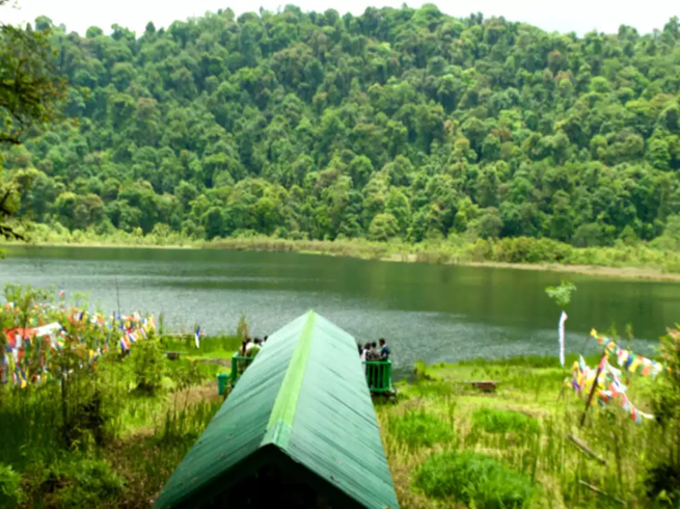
point(401, 123)
point(561, 294)
point(30, 93)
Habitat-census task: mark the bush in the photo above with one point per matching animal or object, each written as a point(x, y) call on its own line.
point(10, 482)
point(419, 429)
point(502, 421)
point(148, 362)
point(83, 483)
point(473, 479)
point(424, 372)
point(663, 483)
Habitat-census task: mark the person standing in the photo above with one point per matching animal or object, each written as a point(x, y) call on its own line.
point(249, 347)
point(384, 350)
point(374, 354)
point(255, 348)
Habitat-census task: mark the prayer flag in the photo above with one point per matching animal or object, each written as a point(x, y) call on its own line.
point(563, 318)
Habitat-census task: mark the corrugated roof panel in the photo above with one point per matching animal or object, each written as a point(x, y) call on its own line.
point(336, 432)
point(239, 426)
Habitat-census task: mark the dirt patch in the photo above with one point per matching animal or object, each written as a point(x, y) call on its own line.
point(220, 362)
point(193, 395)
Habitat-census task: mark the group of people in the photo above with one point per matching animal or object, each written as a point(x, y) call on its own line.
point(369, 352)
point(251, 347)
point(374, 351)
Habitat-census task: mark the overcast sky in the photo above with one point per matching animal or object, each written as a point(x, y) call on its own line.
point(580, 16)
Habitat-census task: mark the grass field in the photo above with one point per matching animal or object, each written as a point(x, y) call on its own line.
point(447, 444)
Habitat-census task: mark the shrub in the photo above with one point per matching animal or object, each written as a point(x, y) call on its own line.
point(84, 483)
point(10, 491)
point(419, 429)
point(663, 481)
point(148, 361)
point(242, 330)
point(423, 371)
point(663, 484)
point(503, 421)
point(473, 479)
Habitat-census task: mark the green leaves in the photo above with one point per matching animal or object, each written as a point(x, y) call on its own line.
point(561, 294)
point(30, 90)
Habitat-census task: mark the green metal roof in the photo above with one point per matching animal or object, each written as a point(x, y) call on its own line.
point(303, 400)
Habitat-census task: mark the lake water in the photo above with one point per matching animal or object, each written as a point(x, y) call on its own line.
point(437, 313)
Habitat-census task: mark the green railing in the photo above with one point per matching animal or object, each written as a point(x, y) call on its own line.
point(238, 366)
point(378, 375)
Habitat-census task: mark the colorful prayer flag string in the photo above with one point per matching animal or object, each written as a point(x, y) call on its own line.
point(28, 351)
point(627, 359)
point(608, 384)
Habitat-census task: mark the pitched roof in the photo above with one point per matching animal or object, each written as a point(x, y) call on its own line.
point(305, 399)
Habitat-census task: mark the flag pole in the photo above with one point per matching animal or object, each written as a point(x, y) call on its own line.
point(594, 387)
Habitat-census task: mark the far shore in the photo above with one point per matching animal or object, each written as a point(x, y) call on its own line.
point(371, 251)
point(648, 273)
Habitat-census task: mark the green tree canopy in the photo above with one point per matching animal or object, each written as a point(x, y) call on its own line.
point(400, 123)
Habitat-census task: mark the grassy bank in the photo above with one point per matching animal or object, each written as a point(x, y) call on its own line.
point(641, 260)
point(447, 444)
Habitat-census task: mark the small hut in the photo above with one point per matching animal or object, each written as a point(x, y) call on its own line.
point(298, 431)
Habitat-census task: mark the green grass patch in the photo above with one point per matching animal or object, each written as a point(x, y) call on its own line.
point(418, 428)
point(436, 389)
point(473, 479)
point(208, 345)
point(503, 421)
point(84, 483)
point(215, 354)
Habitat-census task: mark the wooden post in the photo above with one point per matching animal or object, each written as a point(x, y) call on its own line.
point(580, 444)
point(600, 492)
point(593, 388)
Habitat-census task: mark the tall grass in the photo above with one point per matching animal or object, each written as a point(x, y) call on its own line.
point(417, 428)
point(524, 428)
point(502, 421)
point(116, 445)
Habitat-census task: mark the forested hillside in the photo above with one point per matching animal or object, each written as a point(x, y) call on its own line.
point(397, 123)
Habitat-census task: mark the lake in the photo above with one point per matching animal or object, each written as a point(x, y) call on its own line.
point(437, 313)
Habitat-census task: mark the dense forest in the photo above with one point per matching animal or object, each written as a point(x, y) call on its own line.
point(398, 123)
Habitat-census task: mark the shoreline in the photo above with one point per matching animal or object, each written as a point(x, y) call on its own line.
point(371, 251)
point(635, 273)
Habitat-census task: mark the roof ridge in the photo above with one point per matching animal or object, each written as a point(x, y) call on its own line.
point(282, 416)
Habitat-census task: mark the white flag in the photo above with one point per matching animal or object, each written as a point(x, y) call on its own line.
point(563, 319)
